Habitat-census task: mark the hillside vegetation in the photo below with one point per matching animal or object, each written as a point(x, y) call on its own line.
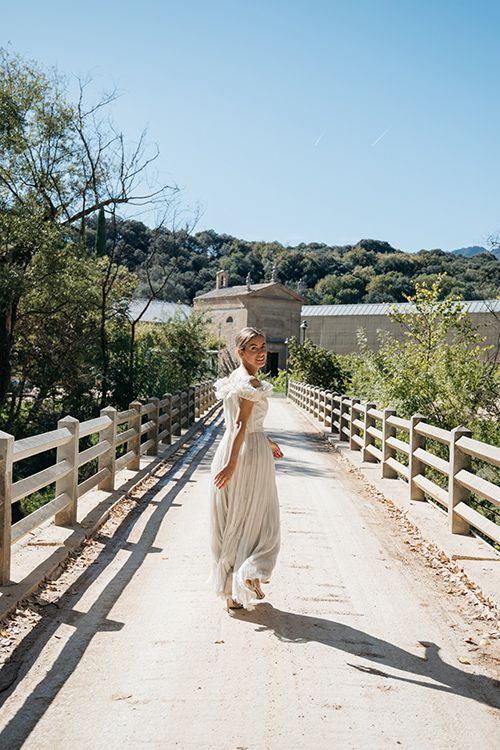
point(369, 271)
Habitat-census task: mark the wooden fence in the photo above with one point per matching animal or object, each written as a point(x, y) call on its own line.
point(141, 428)
point(401, 447)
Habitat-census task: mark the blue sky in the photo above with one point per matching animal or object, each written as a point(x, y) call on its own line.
point(300, 121)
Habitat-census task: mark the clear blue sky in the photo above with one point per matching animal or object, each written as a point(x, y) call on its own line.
point(300, 121)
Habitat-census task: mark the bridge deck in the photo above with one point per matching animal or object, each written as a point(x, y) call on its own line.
point(356, 645)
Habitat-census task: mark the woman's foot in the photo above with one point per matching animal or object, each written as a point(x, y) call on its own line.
point(254, 584)
point(233, 604)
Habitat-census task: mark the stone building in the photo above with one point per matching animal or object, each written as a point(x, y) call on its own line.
point(270, 306)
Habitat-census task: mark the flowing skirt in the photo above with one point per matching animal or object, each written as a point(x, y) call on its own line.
point(244, 519)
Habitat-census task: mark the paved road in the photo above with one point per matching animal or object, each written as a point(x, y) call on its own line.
point(354, 647)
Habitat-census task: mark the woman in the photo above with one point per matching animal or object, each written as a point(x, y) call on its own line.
point(245, 522)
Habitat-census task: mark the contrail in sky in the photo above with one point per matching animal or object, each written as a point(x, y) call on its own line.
point(320, 138)
point(380, 137)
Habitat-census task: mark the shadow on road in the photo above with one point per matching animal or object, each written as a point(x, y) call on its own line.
point(87, 624)
point(295, 628)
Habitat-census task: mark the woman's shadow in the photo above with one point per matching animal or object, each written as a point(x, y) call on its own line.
point(294, 628)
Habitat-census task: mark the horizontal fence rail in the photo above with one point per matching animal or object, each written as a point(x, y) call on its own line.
point(402, 447)
point(140, 428)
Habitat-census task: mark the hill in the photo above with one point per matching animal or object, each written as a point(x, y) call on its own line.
point(368, 271)
point(470, 252)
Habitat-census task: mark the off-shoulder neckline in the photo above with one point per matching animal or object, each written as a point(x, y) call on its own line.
point(243, 372)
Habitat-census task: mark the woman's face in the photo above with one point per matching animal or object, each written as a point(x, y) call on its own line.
point(254, 353)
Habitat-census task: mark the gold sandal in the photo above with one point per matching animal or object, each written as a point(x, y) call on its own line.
point(233, 604)
point(255, 586)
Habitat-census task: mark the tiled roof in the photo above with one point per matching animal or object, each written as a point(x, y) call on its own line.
point(242, 290)
point(364, 308)
point(234, 291)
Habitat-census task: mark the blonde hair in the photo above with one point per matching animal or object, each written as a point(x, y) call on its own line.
point(245, 335)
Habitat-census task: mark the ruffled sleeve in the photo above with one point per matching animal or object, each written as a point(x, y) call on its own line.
point(237, 385)
point(223, 388)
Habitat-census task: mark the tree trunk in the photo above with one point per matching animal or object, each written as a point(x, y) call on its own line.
point(5, 351)
point(131, 363)
point(104, 352)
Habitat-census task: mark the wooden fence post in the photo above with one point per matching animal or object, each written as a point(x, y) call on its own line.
point(456, 492)
point(317, 400)
point(182, 409)
point(328, 413)
point(353, 429)
point(134, 444)
point(197, 401)
point(155, 417)
point(322, 397)
point(368, 439)
point(107, 460)
point(333, 429)
point(387, 451)
point(6, 461)
point(415, 466)
point(69, 483)
point(191, 405)
point(343, 406)
point(178, 410)
point(167, 424)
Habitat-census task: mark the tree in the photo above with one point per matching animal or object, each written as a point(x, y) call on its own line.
point(167, 357)
point(340, 290)
point(315, 365)
point(388, 287)
point(437, 370)
point(60, 162)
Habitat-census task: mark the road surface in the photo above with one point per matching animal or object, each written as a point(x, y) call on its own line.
point(356, 645)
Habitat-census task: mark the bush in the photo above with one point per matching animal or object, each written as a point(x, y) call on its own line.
point(315, 365)
point(438, 370)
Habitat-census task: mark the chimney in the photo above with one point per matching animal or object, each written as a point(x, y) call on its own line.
point(221, 279)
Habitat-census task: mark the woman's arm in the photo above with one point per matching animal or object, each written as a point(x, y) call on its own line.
point(227, 471)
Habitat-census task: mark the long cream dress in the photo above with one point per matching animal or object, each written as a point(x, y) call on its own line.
point(244, 515)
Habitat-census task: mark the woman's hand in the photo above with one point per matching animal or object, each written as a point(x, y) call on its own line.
point(277, 453)
point(224, 475)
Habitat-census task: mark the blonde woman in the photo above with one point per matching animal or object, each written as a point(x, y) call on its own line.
point(244, 508)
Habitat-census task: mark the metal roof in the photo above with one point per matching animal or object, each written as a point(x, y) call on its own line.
point(159, 311)
point(365, 308)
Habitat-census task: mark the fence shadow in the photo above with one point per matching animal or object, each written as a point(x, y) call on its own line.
point(87, 624)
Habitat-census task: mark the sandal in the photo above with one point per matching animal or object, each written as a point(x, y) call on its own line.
point(233, 604)
point(254, 584)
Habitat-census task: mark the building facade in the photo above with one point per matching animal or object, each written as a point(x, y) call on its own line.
point(270, 306)
point(335, 327)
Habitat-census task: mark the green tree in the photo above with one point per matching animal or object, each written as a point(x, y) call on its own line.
point(340, 290)
point(315, 365)
point(392, 286)
point(438, 369)
point(168, 357)
point(59, 164)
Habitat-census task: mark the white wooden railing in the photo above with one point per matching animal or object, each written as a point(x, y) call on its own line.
point(374, 432)
point(141, 427)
